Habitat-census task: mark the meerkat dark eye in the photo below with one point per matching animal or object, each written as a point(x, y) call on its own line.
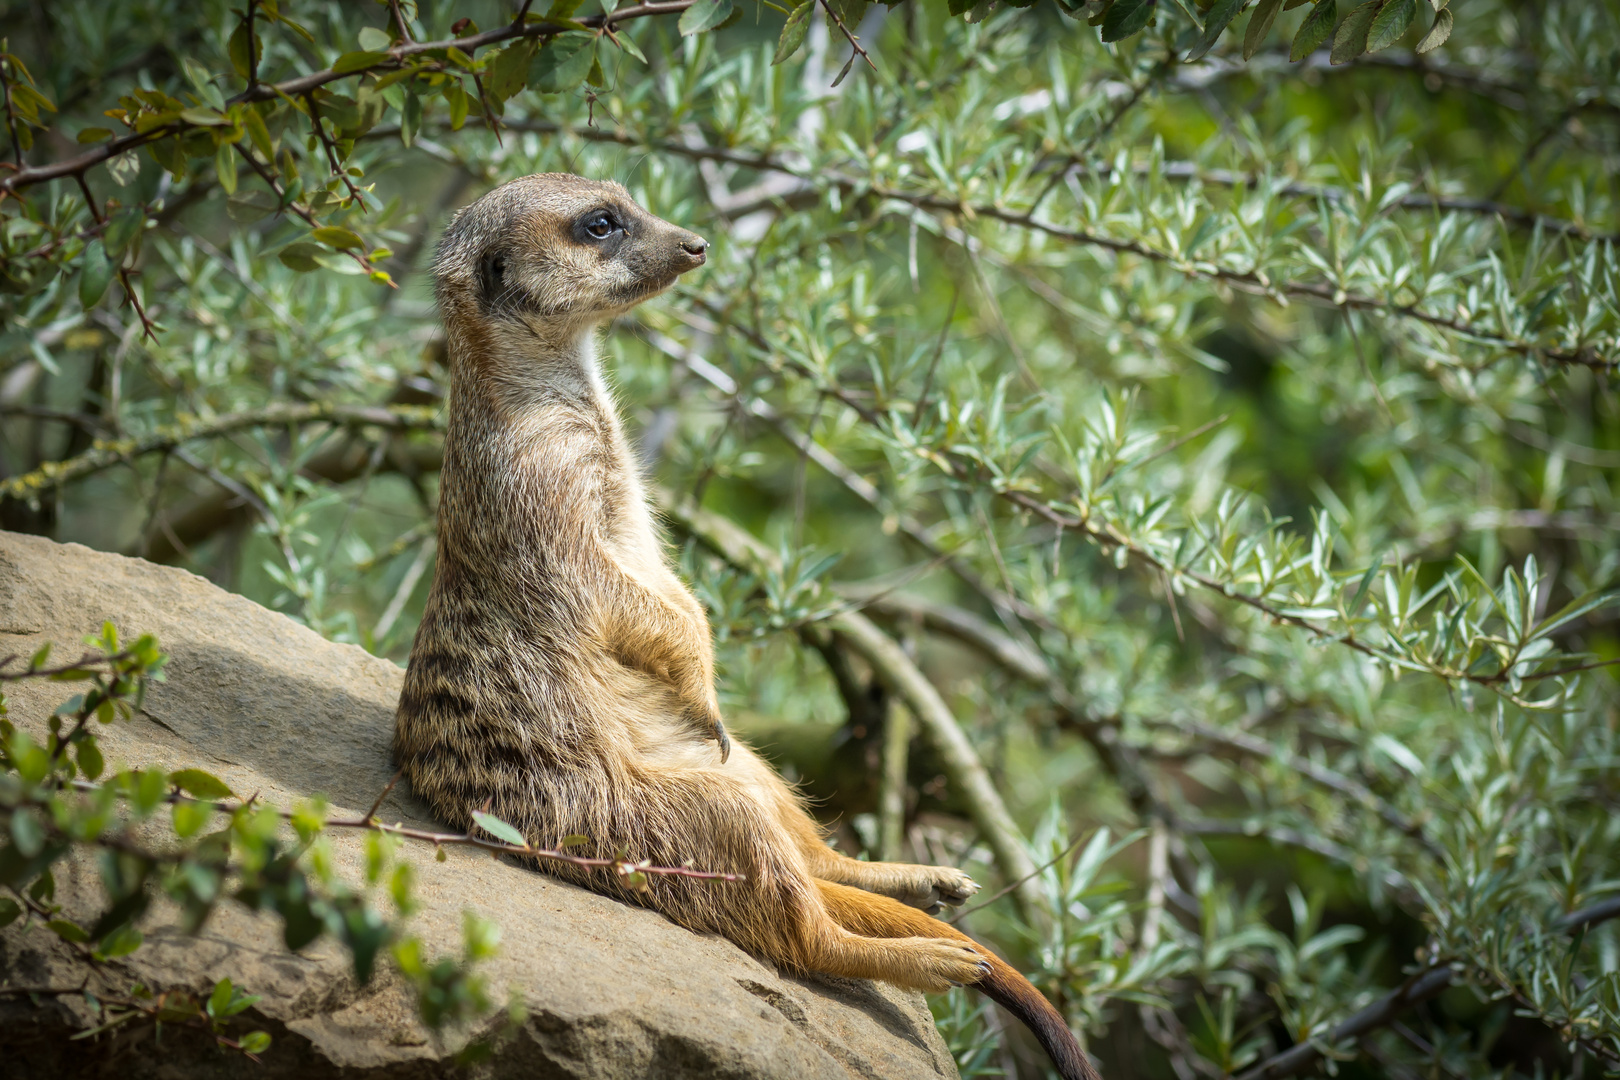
point(600, 225)
point(492, 276)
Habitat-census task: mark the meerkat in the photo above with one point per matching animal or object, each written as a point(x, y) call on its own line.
point(563, 676)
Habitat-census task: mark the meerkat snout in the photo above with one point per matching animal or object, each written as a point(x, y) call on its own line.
point(559, 249)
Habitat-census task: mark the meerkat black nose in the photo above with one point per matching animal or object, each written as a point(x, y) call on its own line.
point(695, 246)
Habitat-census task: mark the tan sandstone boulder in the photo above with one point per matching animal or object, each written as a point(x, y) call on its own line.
point(271, 707)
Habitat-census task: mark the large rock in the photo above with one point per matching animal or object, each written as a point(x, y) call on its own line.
point(271, 707)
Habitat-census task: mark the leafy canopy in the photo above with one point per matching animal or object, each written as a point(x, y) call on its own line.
point(1159, 455)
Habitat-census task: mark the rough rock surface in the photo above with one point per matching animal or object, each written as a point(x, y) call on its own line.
point(271, 707)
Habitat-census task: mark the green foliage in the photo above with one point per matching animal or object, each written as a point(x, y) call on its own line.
point(1235, 440)
point(216, 850)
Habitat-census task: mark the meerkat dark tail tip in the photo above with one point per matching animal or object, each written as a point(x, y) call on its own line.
point(879, 916)
point(1007, 988)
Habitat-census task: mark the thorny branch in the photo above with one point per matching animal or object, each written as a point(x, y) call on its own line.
point(448, 839)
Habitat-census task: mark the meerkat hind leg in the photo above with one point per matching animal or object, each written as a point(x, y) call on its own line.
point(928, 888)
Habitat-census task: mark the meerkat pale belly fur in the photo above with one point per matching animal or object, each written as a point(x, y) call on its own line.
point(563, 676)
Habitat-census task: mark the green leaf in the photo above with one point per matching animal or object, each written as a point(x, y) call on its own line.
point(410, 119)
point(704, 15)
point(574, 840)
point(358, 61)
point(27, 757)
point(225, 167)
point(237, 47)
point(122, 228)
point(254, 1042)
point(793, 31)
point(1126, 17)
point(96, 272)
point(301, 256)
point(27, 832)
point(300, 924)
point(338, 237)
point(250, 206)
point(90, 760)
point(190, 818)
point(1259, 26)
point(94, 134)
point(374, 40)
point(1438, 34)
point(1392, 21)
point(499, 829)
point(121, 942)
point(69, 931)
point(258, 134)
point(10, 911)
point(219, 999)
point(563, 63)
point(1221, 14)
point(507, 69)
point(1314, 30)
point(200, 785)
point(205, 117)
point(1350, 39)
point(41, 654)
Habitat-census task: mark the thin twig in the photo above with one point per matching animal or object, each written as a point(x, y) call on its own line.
point(1059, 857)
point(371, 815)
point(443, 839)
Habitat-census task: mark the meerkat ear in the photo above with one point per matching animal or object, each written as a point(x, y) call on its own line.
point(491, 279)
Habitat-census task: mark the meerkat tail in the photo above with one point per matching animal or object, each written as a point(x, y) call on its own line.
point(871, 915)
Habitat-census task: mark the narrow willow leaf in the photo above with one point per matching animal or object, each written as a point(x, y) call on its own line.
point(1438, 33)
point(95, 274)
point(704, 15)
point(499, 829)
point(338, 237)
point(1126, 17)
point(410, 119)
point(357, 61)
point(199, 784)
point(1350, 40)
point(1392, 21)
point(253, 123)
point(794, 30)
point(1314, 30)
point(1259, 26)
point(123, 228)
point(225, 168)
point(1219, 18)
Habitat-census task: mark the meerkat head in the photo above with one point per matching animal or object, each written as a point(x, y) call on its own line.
point(555, 254)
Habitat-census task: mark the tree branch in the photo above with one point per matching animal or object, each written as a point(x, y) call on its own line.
point(107, 453)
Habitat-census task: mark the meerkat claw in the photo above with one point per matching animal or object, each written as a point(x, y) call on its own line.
point(723, 739)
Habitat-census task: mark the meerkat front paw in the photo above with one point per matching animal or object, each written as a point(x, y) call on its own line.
point(706, 718)
point(937, 887)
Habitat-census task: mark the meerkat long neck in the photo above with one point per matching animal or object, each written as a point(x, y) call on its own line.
point(526, 410)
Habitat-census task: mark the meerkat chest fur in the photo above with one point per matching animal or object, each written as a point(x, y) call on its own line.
point(538, 465)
